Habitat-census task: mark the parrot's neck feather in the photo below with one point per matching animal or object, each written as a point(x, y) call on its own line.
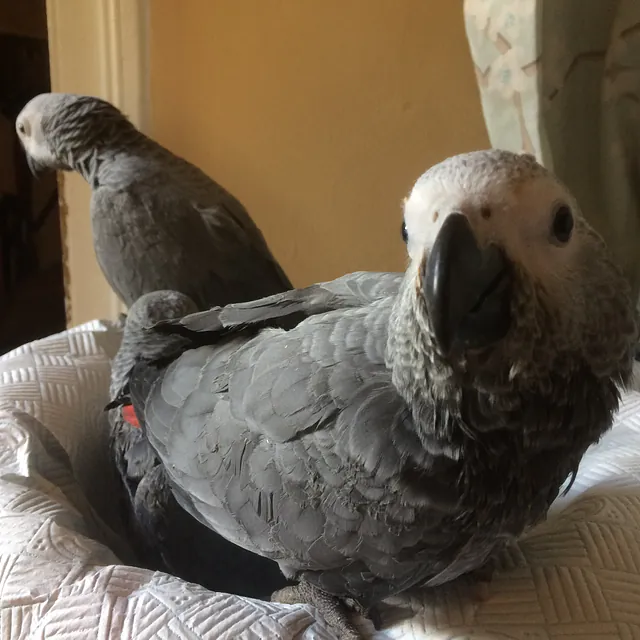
point(411, 355)
point(88, 155)
point(87, 165)
point(541, 405)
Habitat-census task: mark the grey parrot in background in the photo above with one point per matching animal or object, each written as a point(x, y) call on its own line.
point(372, 441)
point(158, 222)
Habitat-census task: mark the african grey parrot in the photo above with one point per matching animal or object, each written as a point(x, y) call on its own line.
point(158, 222)
point(401, 441)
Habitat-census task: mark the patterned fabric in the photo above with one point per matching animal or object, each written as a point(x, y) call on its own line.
point(61, 574)
point(561, 80)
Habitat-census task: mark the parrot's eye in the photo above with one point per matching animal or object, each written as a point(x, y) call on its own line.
point(405, 237)
point(21, 128)
point(562, 225)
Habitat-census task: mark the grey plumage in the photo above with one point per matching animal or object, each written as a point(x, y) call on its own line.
point(158, 222)
point(133, 455)
point(289, 307)
point(366, 446)
point(162, 534)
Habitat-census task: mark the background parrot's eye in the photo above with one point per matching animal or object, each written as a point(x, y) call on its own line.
point(405, 237)
point(21, 128)
point(562, 224)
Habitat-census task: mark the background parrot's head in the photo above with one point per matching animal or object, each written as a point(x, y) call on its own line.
point(57, 129)
point(155, 306)
point(510, 274)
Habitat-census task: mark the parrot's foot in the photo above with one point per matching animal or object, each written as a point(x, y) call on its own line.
point(372, 614)
point(335, 613)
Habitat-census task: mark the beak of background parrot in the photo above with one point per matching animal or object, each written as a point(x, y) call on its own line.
point(36, 169)
point(467, 289)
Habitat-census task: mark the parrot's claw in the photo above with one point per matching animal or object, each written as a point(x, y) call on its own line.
point(372, 614)
point(333, 611)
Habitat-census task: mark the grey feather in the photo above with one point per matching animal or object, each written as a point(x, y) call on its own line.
point(351, 290)
point(132, 453)
point(162, 534)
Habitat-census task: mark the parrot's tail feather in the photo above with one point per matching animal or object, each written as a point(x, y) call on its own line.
point(119, 401)
point(140, 382)
point(130, 417)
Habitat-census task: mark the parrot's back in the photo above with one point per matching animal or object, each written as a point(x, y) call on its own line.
point(160, 223)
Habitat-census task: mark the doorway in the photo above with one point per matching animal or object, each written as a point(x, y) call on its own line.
point(32, 299)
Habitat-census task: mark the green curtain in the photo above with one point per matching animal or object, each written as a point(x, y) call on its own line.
point(561, 79)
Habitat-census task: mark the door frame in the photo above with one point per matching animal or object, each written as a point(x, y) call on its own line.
point(98, 48)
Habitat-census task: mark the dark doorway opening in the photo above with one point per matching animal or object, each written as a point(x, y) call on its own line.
point(31, 275)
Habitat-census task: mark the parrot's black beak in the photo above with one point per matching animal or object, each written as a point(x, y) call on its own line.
point(36, 169)
point(467, 289)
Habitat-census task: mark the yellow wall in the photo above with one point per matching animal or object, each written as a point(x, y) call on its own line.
point(318, 115)
point(96, 48)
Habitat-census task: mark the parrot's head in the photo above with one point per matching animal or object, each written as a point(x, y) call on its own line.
point(156, 306)
point(57, 129)
point(510, 277)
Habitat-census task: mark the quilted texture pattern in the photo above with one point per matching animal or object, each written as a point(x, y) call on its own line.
point(61, 573)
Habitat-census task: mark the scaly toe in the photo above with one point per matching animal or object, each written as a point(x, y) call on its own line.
point(330, 608)
point(288, 595)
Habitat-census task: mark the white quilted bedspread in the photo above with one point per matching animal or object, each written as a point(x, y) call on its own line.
point(61, 558)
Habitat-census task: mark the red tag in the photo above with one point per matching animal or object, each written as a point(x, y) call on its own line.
point(129, 415)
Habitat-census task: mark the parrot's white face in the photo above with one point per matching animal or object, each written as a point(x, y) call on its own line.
point(57, 130)
point(493, 236)
point(29, 130)
point(533, 217)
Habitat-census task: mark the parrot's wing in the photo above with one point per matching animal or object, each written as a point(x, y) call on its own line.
point(286, 309)
point(147, 240)
point(229, 215)
point(226, 415)
point(230, 225)
point(283, 441)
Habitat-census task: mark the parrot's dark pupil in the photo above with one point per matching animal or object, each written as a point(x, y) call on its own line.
point(562, 224)
point(404, 232)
